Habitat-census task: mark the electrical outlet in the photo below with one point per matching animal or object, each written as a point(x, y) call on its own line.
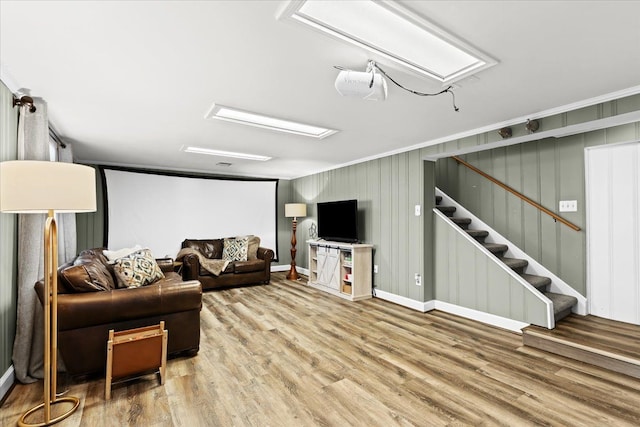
point(375, 268)
point(418, 279)
point(568, 206)
point(417, 210)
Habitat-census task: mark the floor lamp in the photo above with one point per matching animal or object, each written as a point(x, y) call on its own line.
point(294, 210)
point(47, 187)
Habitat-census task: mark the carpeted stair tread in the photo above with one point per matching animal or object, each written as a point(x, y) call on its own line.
point(515, 263)
point(438, 199)
point(538, 282)
point(477, 233)
point(561, 302)
point(461, 222)
point(447, 210)
point(496, 248)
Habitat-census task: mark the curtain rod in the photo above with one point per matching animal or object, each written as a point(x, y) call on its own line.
point(56, 138)
point(26, 101)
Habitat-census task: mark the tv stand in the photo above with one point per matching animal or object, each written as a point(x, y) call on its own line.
point(341, 269)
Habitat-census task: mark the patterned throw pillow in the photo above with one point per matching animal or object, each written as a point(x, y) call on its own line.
point(235, 249)
point(137, 269)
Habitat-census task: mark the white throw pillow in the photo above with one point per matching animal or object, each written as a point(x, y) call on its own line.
point(115, 254)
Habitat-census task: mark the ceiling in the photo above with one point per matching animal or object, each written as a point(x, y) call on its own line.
point(129, 83)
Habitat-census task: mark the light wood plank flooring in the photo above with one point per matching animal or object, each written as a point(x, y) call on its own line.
point(288, 355)
point(602, 342)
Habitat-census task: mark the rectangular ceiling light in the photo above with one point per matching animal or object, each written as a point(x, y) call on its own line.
point(395, 33)
point(229, 114)
point(220, 153)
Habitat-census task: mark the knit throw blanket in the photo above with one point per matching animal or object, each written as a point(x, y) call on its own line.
point(213, 266)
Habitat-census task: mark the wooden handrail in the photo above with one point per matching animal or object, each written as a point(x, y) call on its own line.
point(517, 194)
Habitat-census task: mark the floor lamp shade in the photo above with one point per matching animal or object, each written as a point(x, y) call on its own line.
point(295, 210)
point(39, 187)
point(48, 187)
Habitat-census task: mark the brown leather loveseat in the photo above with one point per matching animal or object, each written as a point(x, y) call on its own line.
point(255, 269)
point(90, 304)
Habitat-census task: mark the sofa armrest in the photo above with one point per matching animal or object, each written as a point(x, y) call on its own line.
point(81, 310)
point(265, 254)
point(190, 267)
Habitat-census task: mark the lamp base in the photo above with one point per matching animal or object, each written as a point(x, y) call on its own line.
point(293, 274)
point(69, 399)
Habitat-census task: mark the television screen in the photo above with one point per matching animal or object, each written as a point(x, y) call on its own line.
point(338, 221)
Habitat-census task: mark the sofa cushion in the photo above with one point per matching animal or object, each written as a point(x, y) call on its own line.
point(211, 248)
point(248, 266)
point(88, 273)
point(137, 269)
point(235, 248)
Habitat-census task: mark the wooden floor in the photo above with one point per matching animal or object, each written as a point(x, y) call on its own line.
point(288, 355)
point(602, 342)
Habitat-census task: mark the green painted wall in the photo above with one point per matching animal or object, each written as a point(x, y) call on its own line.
point(387, 190)
point(90, 225)
point(8, 235)
point(547, 171)
point(467, 277)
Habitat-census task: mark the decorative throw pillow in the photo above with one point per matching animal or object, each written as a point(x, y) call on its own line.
point(235, 248)
point(137, 269)
point(112, 256)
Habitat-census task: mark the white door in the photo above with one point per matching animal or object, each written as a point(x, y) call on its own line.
point(613, 231)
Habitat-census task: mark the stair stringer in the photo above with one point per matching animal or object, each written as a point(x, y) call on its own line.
point(557, 284)
point(456, 277)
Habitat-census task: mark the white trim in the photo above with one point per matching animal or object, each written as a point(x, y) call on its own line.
point(7, 380)
point(287, 267)
point(404, 301)
point(467, 313)
point(479, 316)
point(557, 284)
point(634, 90)
point(8, 79)
point(549, 305)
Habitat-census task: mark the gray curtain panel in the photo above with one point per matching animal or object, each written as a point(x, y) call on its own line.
point(33, 144)
point(66, 222)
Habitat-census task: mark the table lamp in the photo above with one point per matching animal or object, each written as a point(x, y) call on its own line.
point(46, 187)
point(294, 210)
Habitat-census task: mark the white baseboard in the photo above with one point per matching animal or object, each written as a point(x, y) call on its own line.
point(405, 302)
point(480, 316)
point(467, 313)
point(7, 381)
point(275, 268)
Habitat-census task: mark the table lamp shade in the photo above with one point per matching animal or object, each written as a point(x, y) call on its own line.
point(293, 210)
point(39, 186)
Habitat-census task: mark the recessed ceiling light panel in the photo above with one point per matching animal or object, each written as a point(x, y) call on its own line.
point(395, 33)
point(220, 153)
point(229, 114)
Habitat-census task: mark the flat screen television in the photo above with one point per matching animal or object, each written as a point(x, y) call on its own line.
point(338, 221)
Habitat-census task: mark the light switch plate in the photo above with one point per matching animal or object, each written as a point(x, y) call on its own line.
point(417, 210)
point(568, 206)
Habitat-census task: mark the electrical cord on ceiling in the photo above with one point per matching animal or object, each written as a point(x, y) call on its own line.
point(415, 92)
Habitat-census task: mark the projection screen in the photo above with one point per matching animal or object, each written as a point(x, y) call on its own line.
point(159, 211)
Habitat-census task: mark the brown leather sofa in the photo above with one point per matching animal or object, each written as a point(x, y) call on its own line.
point(89, 306)
point(237, 273)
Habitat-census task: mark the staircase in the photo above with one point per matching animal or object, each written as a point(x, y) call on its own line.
point(562, 304)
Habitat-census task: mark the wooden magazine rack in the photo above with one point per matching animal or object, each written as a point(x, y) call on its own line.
point(136, 352)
